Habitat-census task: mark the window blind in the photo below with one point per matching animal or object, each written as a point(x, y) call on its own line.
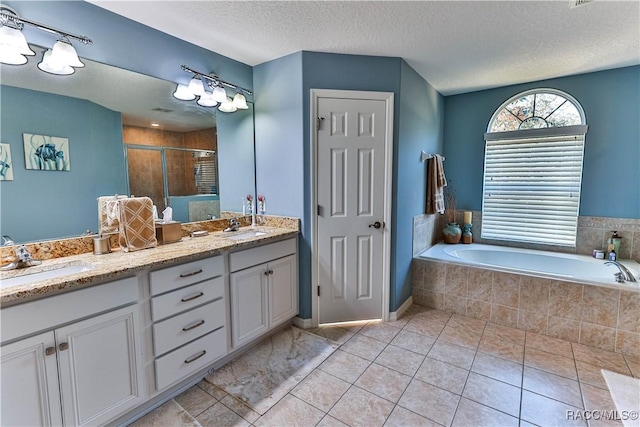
point(206, 175)
point(532, 189)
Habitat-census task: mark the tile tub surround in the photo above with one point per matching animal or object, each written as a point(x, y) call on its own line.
point(52, 249)
point(465, 372)
point(119, 264)
point(605, 318)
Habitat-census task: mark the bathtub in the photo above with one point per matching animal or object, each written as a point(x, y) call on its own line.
point(553, 265)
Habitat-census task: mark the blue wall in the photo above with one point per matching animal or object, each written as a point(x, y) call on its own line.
point(283, 144)
point(611, 176)
point(95, 150)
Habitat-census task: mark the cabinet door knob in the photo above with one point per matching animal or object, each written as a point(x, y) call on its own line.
point(266, 273)
point(63, 346)
point(49, 351)
point(270, 271)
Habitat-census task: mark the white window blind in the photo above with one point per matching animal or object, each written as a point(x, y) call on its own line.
point(532, 189)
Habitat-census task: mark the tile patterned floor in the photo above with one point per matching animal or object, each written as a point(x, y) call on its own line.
point(429, 368)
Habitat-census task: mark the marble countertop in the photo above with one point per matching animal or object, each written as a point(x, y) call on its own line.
point(119, 264)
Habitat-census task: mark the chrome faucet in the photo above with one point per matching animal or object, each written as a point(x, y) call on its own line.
point(623, 274)
point(24, 259)
point(234, 225)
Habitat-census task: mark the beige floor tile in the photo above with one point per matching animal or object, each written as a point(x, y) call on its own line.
point(634, 365)
point(383, 382)
point(321, 390)
point(345, 366)
point(411, 341)
point(442, 375)
point(169, 414)
point(597, 399)
point(379, 331)
point(433, 315)
point(399, 323)
point(329, 421)
point(425, 326)
point(493, 393)
point(358, 407)
point(498, 369)
point(213, 390)
point(240, 408)
point(363, 346)
point(549, 344)
point(590, 374)
point(401, 417)
point(400, 360)
point(195, 401)
point(544, 411)
point(455, 355)
point(551, 363)
point(334, 333)
point(553, 386)
point(472, 414)
point(291, 411)
point(506, 333)
point(605, 359)
point(463, 322)
point(460, 336)
point(430, 401)
point(500, 347)
point(220, 416)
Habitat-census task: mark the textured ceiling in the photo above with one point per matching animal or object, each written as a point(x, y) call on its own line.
point(457, 46)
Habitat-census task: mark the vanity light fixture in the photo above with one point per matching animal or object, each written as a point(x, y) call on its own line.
point(198, 86)
point(61, 59)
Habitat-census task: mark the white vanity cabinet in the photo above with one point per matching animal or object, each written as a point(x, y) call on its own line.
point(83, 372)
point(189, 315)
point(264, 289)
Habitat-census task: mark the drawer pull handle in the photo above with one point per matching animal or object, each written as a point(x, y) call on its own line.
point(195, 325)
point(191, 298)
point(49, 351)
point(63, 346)
point(193, 273)
point(196, 357)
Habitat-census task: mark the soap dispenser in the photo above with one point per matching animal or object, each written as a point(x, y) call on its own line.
point(615, 241)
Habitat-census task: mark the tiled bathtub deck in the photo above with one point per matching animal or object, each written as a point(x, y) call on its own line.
point(430, 368)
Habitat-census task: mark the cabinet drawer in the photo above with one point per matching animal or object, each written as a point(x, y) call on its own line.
point(183, 299)
point(181, 275)
point(254, 256)
point(192, 357)
point(174, 332)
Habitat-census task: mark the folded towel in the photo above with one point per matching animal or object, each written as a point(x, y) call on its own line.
point(108, 215)
point(436, 181)
point(137, 229)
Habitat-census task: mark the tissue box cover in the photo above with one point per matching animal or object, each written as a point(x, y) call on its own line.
point(168, 232)
point(136, 224)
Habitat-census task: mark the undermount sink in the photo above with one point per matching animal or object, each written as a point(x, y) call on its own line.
point(245, 235)
point(38, 274)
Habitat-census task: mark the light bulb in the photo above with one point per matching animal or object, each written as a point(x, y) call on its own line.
point(227, 106)
point(196, 87)
point(219, 94)
point(14, 41)
point(53, 67)
point(240, 102)
point(64, 54)
point(207, 101)
point(183, 93)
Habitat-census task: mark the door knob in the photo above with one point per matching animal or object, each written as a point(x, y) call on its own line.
point(376, 225)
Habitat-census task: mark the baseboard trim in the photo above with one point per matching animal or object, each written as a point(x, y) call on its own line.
point(302, 323)
point(395, 315)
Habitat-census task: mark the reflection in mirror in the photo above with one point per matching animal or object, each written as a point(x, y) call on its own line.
point(97, 110)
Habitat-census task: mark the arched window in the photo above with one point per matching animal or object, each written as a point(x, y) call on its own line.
point(533, 169)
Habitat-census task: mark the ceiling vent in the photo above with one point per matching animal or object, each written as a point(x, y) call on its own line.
point(161, 110)
point(576, 3)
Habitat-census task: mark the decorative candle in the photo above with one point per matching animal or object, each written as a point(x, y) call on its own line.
point(467, 217)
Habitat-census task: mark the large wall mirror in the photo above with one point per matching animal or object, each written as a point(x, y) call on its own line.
point(97, 123)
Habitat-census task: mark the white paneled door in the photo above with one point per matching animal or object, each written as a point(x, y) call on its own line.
point(352, 141)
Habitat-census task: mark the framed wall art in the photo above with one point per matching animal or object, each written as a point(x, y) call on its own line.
point(43, 152)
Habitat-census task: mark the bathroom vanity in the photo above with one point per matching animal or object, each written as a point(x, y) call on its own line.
point(106, 344)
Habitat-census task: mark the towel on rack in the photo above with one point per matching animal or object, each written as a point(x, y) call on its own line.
point(108, 215)
point(436, 181)
point(137, 228)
